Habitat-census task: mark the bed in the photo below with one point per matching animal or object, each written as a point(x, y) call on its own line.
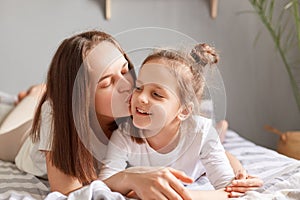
point(281, 175)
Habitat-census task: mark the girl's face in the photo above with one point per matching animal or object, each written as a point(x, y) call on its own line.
point(112, 79)
point(155, 103)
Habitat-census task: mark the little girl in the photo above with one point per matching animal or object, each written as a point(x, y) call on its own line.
point(167, 128)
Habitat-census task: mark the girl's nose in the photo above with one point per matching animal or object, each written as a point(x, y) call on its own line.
point(142, 97)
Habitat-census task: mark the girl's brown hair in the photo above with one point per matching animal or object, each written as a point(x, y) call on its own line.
point(68, 153)
point(187, 68)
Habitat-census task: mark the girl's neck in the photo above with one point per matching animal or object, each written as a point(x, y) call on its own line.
point(166, 139)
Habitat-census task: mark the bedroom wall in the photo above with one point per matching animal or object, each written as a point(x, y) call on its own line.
point(257, 86)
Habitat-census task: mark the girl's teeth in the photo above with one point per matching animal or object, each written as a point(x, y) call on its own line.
point(142, 111)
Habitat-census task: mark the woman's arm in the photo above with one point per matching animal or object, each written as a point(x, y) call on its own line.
point(58, 180)
point(151, 183)
point(209, 194)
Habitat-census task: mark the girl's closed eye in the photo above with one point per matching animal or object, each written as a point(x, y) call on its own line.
point(158, 95)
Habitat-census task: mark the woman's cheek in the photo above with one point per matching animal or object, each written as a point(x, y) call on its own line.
point(103, 103)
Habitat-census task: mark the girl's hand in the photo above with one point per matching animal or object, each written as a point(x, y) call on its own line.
point(243, 183)
point(154, 183)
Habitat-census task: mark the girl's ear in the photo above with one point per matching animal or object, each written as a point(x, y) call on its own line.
point(185, 111)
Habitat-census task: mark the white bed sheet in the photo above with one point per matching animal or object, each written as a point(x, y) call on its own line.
point(281, 175)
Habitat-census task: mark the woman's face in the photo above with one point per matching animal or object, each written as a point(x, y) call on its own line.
point(112, 79)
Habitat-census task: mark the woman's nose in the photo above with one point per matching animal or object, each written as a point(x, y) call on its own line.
point(125, 84)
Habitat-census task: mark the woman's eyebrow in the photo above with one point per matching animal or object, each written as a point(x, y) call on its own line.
point(108, 75)
point(104, 77)
point(125, 63)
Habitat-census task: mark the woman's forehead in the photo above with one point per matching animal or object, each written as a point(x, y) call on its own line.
point(103, 55)
point(103, 58)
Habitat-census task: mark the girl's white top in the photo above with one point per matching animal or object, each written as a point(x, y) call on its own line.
point(198, 151)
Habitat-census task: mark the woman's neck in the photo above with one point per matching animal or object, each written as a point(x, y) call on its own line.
point(166, 139)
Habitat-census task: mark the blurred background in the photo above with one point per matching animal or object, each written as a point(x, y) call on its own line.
point(257, 85)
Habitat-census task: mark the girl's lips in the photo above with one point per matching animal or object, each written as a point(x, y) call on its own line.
point(141, 111)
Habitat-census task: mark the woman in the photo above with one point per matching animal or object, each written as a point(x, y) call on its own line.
point(91, 65)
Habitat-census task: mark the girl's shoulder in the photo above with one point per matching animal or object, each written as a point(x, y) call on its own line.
point(202, 123)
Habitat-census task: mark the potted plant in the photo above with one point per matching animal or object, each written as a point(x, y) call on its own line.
point(285, 32)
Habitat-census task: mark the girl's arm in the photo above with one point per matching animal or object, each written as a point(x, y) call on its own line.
point(58, 180)
point(243, 181)
point(236, 165)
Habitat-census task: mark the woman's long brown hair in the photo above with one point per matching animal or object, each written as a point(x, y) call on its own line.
point(68, 153)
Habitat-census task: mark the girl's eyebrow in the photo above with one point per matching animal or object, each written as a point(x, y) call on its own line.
point(156, 85)
point(108, 75)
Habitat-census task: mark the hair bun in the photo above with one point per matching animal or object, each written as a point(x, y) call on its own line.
point(204, 54)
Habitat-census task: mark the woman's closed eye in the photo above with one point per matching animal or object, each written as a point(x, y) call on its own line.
point(105, 83)
point(125, 69)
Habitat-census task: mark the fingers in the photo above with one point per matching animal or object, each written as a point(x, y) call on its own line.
point(235, 194)
point(177, 190)
point(241, 174)
point(171, 192)
point(181, 175)
point(160, 183)
point(249, 182)
point(161, 189)
point(244, 185)
point(240, 189)
point(169, 185)
point(154, 194)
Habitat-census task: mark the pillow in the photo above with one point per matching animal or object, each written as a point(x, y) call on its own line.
point(21, 113)
point(4, 110)
point(7, 102)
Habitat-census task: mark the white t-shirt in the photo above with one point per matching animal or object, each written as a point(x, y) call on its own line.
point(199, 151)
point(30, 157)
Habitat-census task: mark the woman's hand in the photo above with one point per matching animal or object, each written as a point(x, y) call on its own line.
point(151, 183)
point(243, 183)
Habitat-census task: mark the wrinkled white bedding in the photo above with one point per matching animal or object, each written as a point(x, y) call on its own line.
point(281, 176)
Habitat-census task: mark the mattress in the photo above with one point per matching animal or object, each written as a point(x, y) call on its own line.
point(281, 174)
